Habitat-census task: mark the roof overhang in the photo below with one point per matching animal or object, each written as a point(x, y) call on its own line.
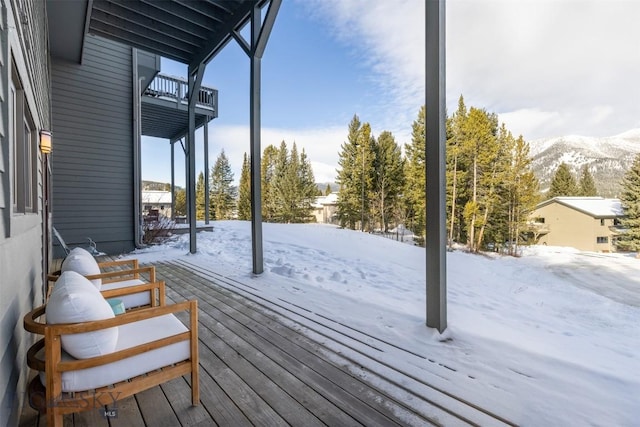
point(187, 31)
point(67, 22)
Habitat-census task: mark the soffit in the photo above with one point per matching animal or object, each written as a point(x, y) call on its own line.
point(187, 31)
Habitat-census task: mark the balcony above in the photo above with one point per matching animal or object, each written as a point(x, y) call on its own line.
point(164, 107)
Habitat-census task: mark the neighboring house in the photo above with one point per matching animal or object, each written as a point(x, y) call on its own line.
point(325, 208)
point(584, 223)
point(159, 201)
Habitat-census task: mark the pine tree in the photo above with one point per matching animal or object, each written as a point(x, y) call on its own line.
point(244, 191)
point(200, 197)
point(349, 195)
point(223, 193)
point(268, 171)
point(629, 240)
point(483, 152)
point(279, 186)
point(521, 192)
point(563, 184)
point(388, 178)
point(308, 188)
point(293, 187)
point(180, 202)
point(327, 190)
point(586, 185)
point(286, 183)
point(455, 170)
point(416, 181)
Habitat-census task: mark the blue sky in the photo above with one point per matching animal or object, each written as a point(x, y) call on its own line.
point(547, 68)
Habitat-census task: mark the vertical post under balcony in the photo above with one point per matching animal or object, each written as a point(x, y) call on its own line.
point(195, 80)
point(260, 32)
point(173, 180)
point(255, 149)
point(435, 137)
point(206, 171)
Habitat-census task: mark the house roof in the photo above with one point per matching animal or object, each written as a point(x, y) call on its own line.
point(163, 197)
point(331, 199)
point(597, 207)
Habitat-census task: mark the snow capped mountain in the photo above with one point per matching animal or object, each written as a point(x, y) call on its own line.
point(608, 158)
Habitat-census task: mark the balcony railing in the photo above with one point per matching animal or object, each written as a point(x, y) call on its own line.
point(177, 89)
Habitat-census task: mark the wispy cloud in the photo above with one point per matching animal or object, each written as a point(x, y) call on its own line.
point(569, 59)
point(390, 37)
point(548, 68)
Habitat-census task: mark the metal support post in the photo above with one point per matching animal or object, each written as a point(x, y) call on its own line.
point(435, 240)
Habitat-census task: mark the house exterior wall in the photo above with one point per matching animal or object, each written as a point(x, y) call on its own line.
point(23, 48)
point(570, 227)
point(325, 214)
point(93, 183)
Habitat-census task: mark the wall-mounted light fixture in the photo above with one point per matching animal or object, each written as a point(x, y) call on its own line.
point(45, 142)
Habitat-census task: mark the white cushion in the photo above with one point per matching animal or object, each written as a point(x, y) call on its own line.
point(75, 300)
point(81, 261)
point(131, 300)
point(130, 335)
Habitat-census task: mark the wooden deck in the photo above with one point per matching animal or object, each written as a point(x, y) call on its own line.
point(269, 363)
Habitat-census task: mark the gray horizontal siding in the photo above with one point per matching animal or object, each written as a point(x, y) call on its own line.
point(21, 239)
point(93, 155)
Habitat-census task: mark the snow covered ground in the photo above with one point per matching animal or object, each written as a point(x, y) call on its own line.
point(550, 338)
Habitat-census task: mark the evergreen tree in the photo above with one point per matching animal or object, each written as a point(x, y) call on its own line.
point(349, 194)
point(416, 181)
point(563, 184)
point(180, 203)
point(279, 186)
point(286, 184)
point(455, 171)
point(327, 190)
point(293, 186)
point(268, 171)
point(521, 193)
point(629, 240)
point(388, 178)
point(244, 191)
point(200, 197)
point(364, 163)
point(483, 151)
point(223, 193)
point(586, 185)
point(308, 188)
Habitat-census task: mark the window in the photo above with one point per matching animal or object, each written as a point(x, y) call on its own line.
point(539, 220)
point(602, 221)
point(23, 140)
point(602, 239)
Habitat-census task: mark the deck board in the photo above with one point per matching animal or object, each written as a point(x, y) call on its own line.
point(258, 367)
point(128, 413)
point(156, 409)
point(301, 361)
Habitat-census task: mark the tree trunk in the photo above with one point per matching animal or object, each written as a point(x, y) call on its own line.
point(453, 198)
point(472, 226)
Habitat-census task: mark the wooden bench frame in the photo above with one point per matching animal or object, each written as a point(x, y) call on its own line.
point(58, 403)
point(123, 270)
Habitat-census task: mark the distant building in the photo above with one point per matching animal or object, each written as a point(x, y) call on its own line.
point(325, 209)
point(159, 201)
point(584, 223)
